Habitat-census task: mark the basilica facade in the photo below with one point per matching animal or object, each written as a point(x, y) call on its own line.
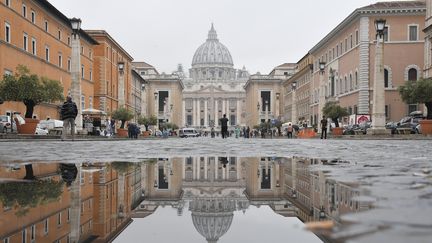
point(214, 87)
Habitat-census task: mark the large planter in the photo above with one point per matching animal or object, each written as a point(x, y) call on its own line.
point(426, 127)
point(337, 131)
point(29, 127)
point(146, 133)
point(121, 132)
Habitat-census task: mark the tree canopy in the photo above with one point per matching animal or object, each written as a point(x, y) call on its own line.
point(29, 89)
point(123, 115)
point(334, 111)
point(418, 92)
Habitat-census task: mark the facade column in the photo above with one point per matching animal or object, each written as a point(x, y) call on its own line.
point(294, 107)
point(238, 162)
point(206, 123)
point(184, 168)
point(205, 168)
point(199, 112)
point(223, 107)
point(216, 113)
point(121, 85)
point(193, 112)
point(223, 173)
point(75, 198)
point(238, 112)
point(198, 169)
point(184, 113)
point(194, 172)
point(216, 167)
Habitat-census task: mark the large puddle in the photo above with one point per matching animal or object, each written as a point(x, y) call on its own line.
point(192, 199)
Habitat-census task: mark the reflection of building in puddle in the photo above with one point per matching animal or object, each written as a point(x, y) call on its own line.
point(214, 188)
point(315, 196)
point(87, 206)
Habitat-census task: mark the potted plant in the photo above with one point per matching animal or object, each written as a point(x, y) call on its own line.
point(123, 115)
point(147, 121)
point(333, 111)
point(420, 92)
point(32, 91)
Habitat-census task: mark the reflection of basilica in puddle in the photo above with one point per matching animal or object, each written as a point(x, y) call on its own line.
point(96, 202)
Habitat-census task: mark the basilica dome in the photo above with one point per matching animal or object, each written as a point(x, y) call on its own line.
point(212, 52)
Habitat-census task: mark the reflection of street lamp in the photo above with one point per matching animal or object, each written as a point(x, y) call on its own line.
point(378, 109)
point(156, 94)
point(266, 111)
point(293, 101)
point(121, 86)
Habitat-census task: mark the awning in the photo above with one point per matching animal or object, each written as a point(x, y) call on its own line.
point(91, 111)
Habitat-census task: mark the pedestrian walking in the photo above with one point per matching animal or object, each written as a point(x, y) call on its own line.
point(68, 113)
point(113, 125)
point(290, 130)
point(224, 126)
point(324, 128)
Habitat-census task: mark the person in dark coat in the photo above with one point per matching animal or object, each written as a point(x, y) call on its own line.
point(68, 113)
point(324, 128)
point(224, 126)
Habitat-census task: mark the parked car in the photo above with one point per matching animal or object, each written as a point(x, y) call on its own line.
point(188, 132)
point(7, 124)
point(41, 131)
point(407, 122)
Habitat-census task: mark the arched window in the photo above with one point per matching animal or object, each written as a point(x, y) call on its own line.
point(340, 86)
point(346, 84)
point(412, 74)
point(350, 82)
point(356, 79)
point(386, 78)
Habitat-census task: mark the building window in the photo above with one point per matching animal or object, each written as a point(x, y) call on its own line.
point(82, 71)
point(34, 51)
point(346, 45)
point(386, 78)
point(82, 107)
point(25, 42)
point(47, 53)
point(350, 82)
point(60, 60)
point(69, 65)
point(33, 233)
point(59, 218)
point(24, 236)
point(413, 33)
point(412, 74)
point(189, 120)
point(233, 120)
point(355, 109)
point(68, 214)
point(68, 40)
point(33, 17)
point(386, 34)
point(8, 3)
point(91, 75)
point(412, 107)
point(59, 34)
point(24, 11)
point(351, 41)
point(82, 49)
point(357, 37)
point(91, 107)
point(46, 226)
point(46, 25)
point(356, 80)
point(7, 33)
point(346, 84)
point(387, 111)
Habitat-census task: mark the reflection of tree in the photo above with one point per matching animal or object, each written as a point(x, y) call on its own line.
point(69, 173)
point(30, 194)
point(122, 167)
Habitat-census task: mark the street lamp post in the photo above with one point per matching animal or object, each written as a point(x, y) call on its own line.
point(378, 109)
point(76, 70)
point(294, 106)
point(121, 88)
point(277, 110)
point(321, 92)
point(171, 113)
point(266, 111)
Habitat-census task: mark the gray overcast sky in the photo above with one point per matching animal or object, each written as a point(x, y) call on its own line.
point(260, 34)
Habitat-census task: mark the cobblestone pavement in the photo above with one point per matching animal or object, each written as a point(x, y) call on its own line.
point(395, 174)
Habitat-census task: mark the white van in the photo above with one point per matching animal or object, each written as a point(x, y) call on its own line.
point(188, 132)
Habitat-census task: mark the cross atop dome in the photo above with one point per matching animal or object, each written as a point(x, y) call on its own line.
point(212, 35)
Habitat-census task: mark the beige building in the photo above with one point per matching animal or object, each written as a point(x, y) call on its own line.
point(348, 52)
point(428, 41)
point(297, 93)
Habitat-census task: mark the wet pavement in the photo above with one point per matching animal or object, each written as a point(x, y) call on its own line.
point(371, 190)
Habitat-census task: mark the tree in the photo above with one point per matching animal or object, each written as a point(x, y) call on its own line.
point(169, 125)
point(123, 115)
point(29, 194)
point(122, 167)
point(334, 111)
point(418, 92)
point(29, 89)
point(147, 121)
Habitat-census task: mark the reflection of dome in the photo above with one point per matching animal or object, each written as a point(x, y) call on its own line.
point(212, 52)
point(212, 217)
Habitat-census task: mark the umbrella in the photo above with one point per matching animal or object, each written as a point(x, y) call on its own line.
point(91, 111)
